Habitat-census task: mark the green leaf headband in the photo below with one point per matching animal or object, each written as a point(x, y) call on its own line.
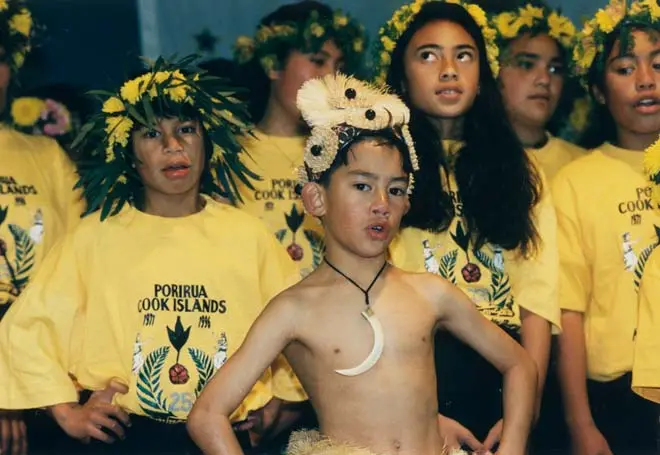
point(390, 33)
point(109, 179)
point(309, 36)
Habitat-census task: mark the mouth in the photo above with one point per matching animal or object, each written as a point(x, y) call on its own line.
point(539, 96)
point(378, 231)
point(176, 170)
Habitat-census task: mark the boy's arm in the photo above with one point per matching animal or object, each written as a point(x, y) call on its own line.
point(208, 422)
point(458, 315)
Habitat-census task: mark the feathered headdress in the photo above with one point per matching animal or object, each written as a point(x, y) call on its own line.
point(339, 109)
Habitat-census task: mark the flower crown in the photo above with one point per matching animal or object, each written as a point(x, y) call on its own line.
point(309, 36)
point(109, 179)
point(652, 168)
point(534, 20)
point(40, 116)
point(17, 32)
point(390, 33)
point(591, 39)
point(340, 109)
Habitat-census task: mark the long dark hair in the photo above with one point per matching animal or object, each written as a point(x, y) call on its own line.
point(498, 184)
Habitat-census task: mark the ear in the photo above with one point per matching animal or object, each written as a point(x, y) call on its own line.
point(407, 206)
point(598, 95)
point(313, 196)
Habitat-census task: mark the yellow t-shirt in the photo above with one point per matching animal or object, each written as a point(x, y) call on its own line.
point(159, 303)
point(646, 365)
point(605, 233)
point(555, 154)
point(274, 198)
point(498, 281)
point(37, 206)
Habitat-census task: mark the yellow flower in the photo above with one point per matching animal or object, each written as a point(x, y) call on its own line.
point(121, 179)
point(605, 21)
point(131, 91)
point(19, 59)
point(653, 8)
point(385, 58)
point(118, 129)
point(178, 89)
point(340, 20)
point(110, 153)
point(415, 7)
point(358, 45)
point(477, 14)
point(263, 34)
point(388, 43)
point(113, 105)
point(507, 25)
point(529, 14)
point(268, 63)
point(21, 22)
point(580, 114)
point(560, 26)
point(317, 30)
point(26, 111)
point(652, 159)
point(3, 5)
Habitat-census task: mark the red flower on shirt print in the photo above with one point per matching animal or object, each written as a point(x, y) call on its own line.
point(294, 220)
point(178, 338)
point(470, 271)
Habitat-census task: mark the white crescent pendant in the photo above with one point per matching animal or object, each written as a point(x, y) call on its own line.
point(376, 351)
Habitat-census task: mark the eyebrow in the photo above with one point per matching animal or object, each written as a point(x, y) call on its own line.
point(633, 55)
point(459, 47)
point(372, 176)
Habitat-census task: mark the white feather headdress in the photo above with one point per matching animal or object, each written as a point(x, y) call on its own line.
point(340, 108)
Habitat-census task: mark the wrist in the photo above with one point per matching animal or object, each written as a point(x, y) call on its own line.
point(60, 412)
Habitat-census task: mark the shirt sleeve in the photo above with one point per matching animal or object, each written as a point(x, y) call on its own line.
point(38, 332)
point(574, 267)
point(535, 280)
point(646, 366)
point(278, 272)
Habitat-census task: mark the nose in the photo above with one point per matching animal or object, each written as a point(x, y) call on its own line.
point(172, 144)
point(542, 76)
point(381, 204)
point(448, 72)
point(645, 79)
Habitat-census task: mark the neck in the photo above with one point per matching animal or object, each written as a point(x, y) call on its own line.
point(635, 141)
point(530, 136)
point(449, 128)
point(173, 206)
point(278, 122)
point(360, 270)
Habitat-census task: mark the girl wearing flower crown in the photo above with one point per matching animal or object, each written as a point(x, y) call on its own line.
point(37, 205)
point(295, 43)
point(475, 216)
point(158, 285)
point(606, 231)
point(535, 43)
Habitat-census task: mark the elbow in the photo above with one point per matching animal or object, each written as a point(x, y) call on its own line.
point(197, 420)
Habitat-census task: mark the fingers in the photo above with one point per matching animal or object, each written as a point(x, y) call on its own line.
point(5, 434)
point(467, 438)
point(492, 438)
point(101, 420)
point(119, 414)
point(96, 433)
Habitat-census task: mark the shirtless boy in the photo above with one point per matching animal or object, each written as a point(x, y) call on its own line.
point(357, 331)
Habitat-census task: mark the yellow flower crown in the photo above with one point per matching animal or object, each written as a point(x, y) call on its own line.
point(309, 36)
point(591, 39)
point(652, 168)
point(390, 33)
point(172, 90)
point(15, 36)
point(534, 20)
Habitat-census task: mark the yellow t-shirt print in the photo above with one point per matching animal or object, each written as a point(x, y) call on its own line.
point(294, 221)
point(633, 262)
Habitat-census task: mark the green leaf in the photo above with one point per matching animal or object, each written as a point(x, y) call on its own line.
point(149, 392)
point(24, 255)
point(318, 246)
point(448, 266)
point(280, 235)
point(178, 337)
point(3, 213)
point(294, 219)
point(204, 365)
point(460, 237)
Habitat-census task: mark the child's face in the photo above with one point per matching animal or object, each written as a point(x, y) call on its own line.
point(632, 91)
point(366, 199)
point(298, 69)
point(170, 157)
point(442, 70)
point(532, 78)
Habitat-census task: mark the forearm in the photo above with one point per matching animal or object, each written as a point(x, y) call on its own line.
point(573, 370)
point(213, 434)
point(519, 398)
point(536, 336)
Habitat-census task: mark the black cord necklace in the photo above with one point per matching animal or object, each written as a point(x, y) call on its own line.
point(364, 291)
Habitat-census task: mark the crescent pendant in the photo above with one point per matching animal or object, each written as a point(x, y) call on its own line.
point(376, 350)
